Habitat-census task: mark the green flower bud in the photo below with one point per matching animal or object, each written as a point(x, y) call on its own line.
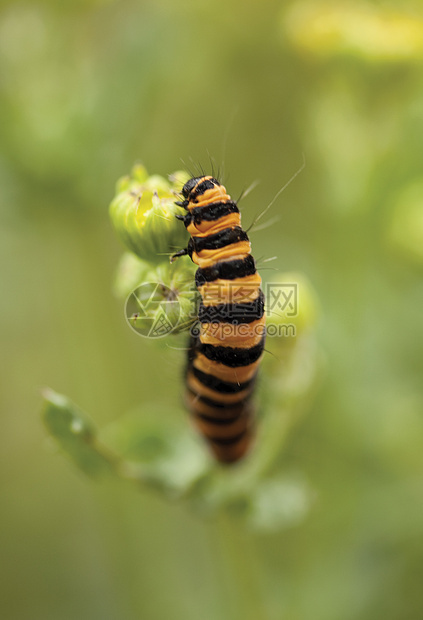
point(165, 300)
point(130, 272)
point(291, 308)
point(143, 214)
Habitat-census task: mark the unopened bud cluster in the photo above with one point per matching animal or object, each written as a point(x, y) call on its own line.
point(144, 213)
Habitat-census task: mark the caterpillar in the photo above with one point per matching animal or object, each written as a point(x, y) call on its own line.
point(224, 357)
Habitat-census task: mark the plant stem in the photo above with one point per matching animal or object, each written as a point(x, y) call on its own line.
point(241, 570)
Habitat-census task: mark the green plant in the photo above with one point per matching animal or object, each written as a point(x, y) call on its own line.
point(143, 449)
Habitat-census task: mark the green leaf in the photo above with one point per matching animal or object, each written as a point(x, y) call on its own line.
point(75, 434)
point(282, 501)
point(162, 455)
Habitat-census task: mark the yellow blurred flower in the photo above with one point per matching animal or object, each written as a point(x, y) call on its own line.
point(372, 33)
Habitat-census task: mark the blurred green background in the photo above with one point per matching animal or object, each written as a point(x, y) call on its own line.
point(86, 89)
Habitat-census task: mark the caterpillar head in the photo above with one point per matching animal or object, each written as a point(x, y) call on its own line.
point(197, 186)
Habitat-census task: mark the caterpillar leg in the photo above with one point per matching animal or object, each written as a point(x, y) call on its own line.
point(183, 252)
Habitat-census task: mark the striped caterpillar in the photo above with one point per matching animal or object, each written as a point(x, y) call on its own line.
point(223, 359)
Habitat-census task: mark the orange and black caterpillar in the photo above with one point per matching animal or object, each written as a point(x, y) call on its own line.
point(223, 359)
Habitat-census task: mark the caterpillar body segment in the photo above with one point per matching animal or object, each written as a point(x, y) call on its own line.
point(223, 359)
